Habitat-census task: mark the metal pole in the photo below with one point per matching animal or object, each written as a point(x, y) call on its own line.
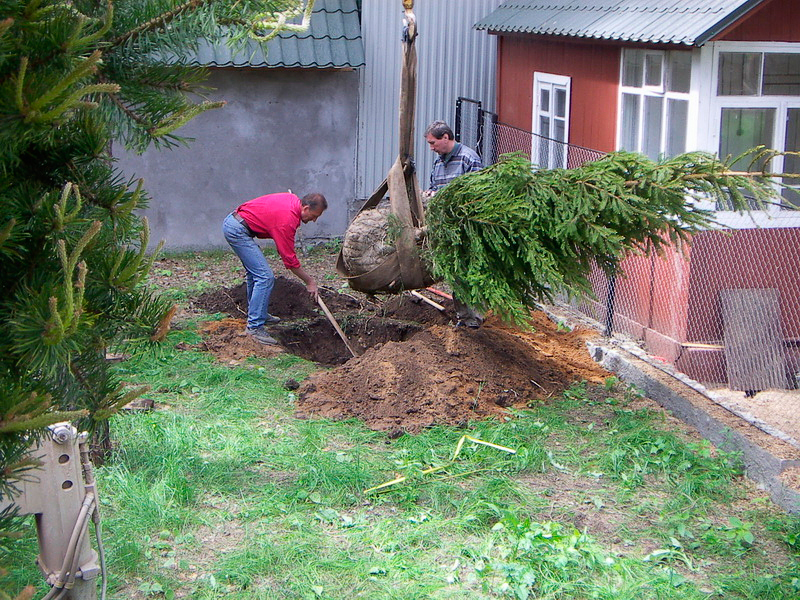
point(57, 495)
point(610, 298)
point(457, 124)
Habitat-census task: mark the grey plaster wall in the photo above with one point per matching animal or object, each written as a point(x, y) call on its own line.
point(281, 129)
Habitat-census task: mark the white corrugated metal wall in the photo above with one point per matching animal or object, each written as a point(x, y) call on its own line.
point(453, 60)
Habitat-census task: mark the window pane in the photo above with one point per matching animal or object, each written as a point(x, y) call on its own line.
point(544, 99)
point(561, 102)
point(743, 129)
point(781, 75)
point(544, 126)
point(677, 120)
point(791, 163)
point(739, 73)
point(653, 106)
point(632, 68)
point(559, 129)
point(652, 69)
point(680, 71)
point(629, 138)
point(544, 145)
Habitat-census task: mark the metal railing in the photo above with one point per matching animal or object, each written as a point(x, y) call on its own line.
point(479, 129)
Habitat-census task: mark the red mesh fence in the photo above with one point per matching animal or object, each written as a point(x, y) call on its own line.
point(725, 311)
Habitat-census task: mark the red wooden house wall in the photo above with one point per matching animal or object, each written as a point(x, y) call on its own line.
point(776, 21)
point(594, 69)
point(669, 302)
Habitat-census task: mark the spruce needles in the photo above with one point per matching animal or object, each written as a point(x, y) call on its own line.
point(507, 237)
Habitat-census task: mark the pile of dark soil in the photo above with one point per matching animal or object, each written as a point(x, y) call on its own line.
point(415, 368)
point(289, 300)
point(449, 375)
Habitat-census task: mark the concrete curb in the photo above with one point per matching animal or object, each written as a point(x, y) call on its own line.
point(760, 466)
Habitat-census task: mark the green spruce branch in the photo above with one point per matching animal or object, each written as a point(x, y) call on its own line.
point(159, 22)
point(508, 237)
point(277, 22)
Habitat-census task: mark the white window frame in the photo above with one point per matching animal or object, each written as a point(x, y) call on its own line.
point(772, 216)
point(551, 81)
point(659, 91)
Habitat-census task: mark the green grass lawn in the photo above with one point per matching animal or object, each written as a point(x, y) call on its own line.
point(220, 493)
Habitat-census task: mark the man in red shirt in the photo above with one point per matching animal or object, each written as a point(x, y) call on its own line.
point(274, 216)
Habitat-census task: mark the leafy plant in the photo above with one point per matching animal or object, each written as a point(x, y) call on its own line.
point(540, 557)
point(739, 532)
point(577, 391)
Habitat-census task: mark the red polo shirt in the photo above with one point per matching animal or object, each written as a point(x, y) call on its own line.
point(275, 216)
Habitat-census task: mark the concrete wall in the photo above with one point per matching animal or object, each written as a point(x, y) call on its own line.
point(281, 129)
point(453, 60)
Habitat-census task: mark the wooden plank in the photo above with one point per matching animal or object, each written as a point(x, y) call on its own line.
point(699, 346)
point(752, 339)
point(435, 305)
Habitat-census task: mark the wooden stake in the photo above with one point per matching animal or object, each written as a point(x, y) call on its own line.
point(335, 324)
point(416, 294)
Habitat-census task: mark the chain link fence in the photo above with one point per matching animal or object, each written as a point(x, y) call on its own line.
point(724, 311)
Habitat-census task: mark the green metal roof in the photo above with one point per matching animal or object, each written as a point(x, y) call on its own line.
point(689, 22)
point(333, 40)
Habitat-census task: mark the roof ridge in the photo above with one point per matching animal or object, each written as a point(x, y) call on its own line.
point(684, 22)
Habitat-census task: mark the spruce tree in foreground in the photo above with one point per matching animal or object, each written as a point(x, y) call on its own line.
point(74, 77)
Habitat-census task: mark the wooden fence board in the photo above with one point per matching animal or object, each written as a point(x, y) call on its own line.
point(752, 338)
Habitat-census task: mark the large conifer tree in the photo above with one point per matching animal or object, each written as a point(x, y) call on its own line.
point(76, 75)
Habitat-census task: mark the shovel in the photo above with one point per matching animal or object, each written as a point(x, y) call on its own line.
point(335, 324)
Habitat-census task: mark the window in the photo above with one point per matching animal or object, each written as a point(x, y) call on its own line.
point(654, 101)
point(758, 103)
point(758, 74)
point(550, 120)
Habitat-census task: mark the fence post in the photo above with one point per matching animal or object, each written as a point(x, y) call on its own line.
point(457, 124)
point(479, 137)
point(490, 157)
point(610, 298)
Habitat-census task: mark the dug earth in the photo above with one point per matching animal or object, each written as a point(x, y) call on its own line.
point(414, 368)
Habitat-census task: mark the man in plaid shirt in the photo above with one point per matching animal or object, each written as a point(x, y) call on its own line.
point(454, 159)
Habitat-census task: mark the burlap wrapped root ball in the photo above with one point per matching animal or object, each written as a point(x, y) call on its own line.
point(366, 242)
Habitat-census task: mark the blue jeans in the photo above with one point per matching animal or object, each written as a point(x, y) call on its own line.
point(260, 278)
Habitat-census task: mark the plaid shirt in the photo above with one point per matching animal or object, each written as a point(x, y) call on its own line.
point(446, 168)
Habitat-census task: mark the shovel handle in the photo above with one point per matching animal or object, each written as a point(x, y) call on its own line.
point(338, 329)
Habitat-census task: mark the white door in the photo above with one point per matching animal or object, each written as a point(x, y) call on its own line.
point(550, 120)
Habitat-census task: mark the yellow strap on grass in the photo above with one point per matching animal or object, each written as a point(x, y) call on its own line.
point(430, 470)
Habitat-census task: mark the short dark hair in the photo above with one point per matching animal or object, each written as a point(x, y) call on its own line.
point(439, 129)
point(314, 200)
